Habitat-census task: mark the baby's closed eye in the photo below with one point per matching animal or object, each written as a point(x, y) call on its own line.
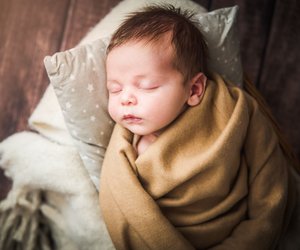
point(114, 88)
point(148, 85)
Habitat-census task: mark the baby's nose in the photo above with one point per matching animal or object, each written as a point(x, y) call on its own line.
point(128, 99)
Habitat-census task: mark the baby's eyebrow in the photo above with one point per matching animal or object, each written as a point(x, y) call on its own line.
point(153, 77)
point(109, 81)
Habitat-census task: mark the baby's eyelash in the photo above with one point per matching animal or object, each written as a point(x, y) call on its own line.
point(114, 91)
point(149, 87)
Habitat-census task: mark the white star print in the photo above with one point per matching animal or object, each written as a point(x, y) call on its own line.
point(68, 105)
point(90, 87)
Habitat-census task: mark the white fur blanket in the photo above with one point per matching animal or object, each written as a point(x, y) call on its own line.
point(69, 204)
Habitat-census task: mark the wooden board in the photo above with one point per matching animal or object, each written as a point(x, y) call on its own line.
point(29, 31)
point(279, 81)
point(82, 16)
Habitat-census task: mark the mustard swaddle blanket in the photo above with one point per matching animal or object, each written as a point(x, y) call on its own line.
point(215, 178)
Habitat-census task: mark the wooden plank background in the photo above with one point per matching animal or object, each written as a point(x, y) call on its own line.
point(32, 29)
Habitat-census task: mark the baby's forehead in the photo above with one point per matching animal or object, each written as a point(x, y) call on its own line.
point(142, 52)
point(162, 42)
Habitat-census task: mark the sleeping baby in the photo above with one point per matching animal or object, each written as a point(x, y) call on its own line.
point(192, 162)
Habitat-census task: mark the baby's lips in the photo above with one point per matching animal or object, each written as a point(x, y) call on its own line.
point(131, 118)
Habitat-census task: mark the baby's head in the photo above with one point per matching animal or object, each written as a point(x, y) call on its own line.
point(156, 67)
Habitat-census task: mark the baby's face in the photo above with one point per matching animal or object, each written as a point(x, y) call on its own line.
point(146, 93)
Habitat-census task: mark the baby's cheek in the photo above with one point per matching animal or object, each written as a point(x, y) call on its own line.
point(112, 110)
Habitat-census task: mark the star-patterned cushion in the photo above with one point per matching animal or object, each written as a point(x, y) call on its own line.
point(79, 80)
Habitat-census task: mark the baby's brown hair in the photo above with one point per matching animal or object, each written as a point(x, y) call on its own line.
point(152, 23)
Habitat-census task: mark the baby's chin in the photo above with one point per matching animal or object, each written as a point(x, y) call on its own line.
point(141, 128)
point(138, 130)
point(154, 134)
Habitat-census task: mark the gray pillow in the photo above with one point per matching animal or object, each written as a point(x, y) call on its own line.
point(78, 78)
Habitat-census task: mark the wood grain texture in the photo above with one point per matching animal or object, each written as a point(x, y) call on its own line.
point(28, 32)
point(279, 81)
point(82, 16)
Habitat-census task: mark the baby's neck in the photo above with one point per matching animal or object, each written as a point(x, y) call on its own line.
point(144, 142)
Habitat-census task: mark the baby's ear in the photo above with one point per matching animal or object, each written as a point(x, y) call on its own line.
point(197, 88)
